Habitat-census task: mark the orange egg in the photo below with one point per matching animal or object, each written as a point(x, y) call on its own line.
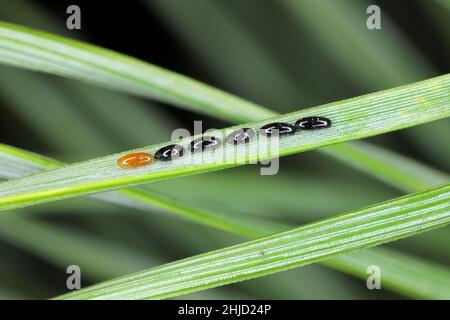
point(134, 160)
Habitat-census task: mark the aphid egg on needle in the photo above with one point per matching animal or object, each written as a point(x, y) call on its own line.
point(134, 160)
point(242, 135)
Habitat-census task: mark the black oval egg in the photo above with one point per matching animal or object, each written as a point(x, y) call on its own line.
point(284, 129)
point(205, 143)
point(242, 135)
point(170, 152)
point(313, 123)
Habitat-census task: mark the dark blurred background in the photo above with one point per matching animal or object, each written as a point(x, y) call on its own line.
point(285, 55)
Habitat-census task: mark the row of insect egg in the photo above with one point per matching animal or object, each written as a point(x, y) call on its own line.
point(242, 135)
